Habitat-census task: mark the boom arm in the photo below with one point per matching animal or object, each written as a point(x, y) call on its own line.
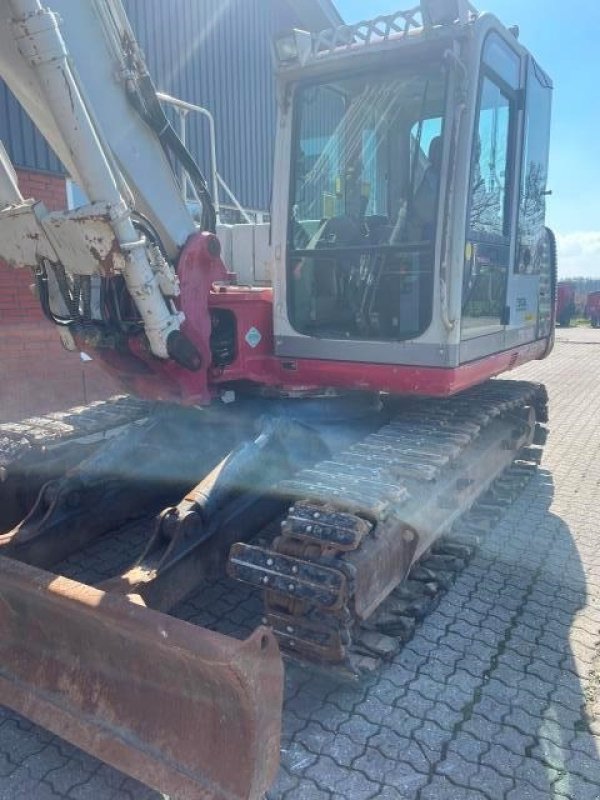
point(76, 69)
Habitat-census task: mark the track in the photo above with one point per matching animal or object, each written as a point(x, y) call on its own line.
point(53, 430)
point(390, 506)
point(40, 449)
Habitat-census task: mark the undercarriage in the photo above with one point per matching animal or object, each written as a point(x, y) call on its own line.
point(350, 514)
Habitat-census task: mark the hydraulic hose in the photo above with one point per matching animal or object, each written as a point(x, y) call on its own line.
point(146, 103)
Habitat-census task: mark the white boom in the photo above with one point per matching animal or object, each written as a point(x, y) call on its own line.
point(71, 67)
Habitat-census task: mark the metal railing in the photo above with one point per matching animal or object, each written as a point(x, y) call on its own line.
point(183, 108)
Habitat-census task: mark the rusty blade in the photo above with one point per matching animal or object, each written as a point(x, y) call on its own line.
point(185, 710)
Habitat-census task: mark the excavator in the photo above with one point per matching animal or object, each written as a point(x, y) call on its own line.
point(318, 439)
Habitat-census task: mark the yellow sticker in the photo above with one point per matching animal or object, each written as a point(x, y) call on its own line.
point(468, 251)
point(328, 205)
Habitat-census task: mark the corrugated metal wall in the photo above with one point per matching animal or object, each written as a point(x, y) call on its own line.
point(26, 147)
point(214, 53)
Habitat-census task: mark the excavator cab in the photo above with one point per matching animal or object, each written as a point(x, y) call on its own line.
point(409, 211)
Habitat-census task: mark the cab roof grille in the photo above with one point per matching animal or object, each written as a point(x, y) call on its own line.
point(371, 31)
point(368, 31)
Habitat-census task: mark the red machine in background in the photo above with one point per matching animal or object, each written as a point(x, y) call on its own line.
point(565, 303)
point(592, 308)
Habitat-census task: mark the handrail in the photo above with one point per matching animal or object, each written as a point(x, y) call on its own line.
point(183, 108)
point(235, 201)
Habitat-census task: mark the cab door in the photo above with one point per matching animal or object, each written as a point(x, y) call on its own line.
point(490, 239)
point(531, 292)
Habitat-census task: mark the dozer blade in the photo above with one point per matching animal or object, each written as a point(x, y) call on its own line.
point(187, 711)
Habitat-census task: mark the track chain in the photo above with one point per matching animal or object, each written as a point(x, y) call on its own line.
point(338, 507)
point(18, 439)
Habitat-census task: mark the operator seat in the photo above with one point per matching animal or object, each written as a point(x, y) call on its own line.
point(424, 205)
point(416, 218)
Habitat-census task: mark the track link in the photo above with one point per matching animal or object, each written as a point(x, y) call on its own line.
point(52, 430)
point(376, 534)
point(40, 449)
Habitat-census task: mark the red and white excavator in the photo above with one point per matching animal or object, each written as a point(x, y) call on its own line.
point(326, 432)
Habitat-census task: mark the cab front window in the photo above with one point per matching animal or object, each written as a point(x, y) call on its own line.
point(364, 205)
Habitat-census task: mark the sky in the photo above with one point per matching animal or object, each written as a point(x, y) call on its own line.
point(564, 37)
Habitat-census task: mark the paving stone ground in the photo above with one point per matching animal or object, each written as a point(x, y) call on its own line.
point(496, 697)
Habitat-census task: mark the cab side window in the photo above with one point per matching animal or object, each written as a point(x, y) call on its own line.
point(489, 172)
point(491, 167)
point(532, 210)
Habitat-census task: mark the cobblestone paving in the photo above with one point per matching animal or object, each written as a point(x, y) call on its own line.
point(580, 334)
point(497, 696)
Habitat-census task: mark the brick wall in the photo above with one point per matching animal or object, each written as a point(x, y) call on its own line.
point(50, 189)
point(36, 374)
